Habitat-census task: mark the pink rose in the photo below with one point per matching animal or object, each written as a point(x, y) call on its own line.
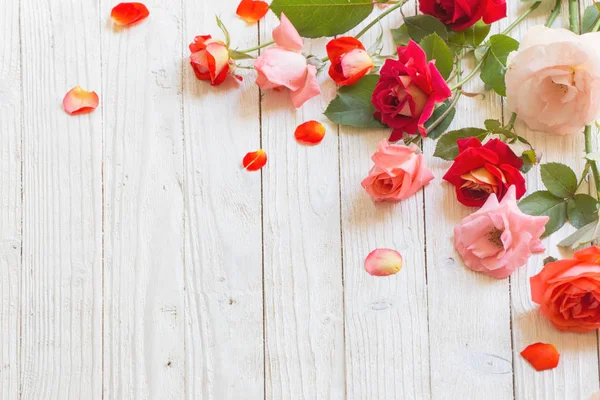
point(499, 238)
point(553, 80)
point(284, 65)
point(398, 172)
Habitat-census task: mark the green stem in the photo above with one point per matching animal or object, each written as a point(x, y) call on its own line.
point(380, 17)
point(257, 47)
point(554, 14)
point(445, 114)
point(511, 123)
point(522, 17)
point(574, 16)
point(589, 148)
point(468, 77)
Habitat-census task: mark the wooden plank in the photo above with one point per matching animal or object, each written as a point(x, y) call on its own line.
point(577, 374)
point(387, 351)
point(304, 332)
point(10, 193)
point(223, 269)
point(62, 203)
point(143, 205)
point(469, 313)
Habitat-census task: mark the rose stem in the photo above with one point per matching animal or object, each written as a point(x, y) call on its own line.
point(256, 48)
point(574, 16)
point(376, 20)
point(504, 32)
point(554, 14)
point(445, 114)
point(511, 123)
point(589, 148)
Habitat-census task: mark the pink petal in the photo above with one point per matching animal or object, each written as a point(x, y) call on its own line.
point(79, 101)
point(310, 89)
point(285, 35)
point(383, 262)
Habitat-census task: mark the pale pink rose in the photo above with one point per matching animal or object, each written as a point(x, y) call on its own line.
point(499, 238)
point(553, 80)
point(284, 65)
point(595, 396)
point(398, 173)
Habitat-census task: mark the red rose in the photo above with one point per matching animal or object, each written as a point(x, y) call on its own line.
point(349, 60)
point(407, 91)
point(460, 15)
point(479, 171)
point(210, 59)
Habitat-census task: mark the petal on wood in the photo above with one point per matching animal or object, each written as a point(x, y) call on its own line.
point(128, 13)
point(541, 356)
point(79, 101)
point(311, 132)
point(252, 10)
point(255, 160)
point(383, 262)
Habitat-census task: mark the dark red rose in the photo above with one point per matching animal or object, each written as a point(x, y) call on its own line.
point(479, 171)
point(461, 14)
point(407, 91)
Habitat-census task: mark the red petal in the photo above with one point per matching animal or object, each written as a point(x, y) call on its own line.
point(128, 13)
point(78, 101)
point(252, 10)
point(255, 160)
point(311, 132)
point(541, 356)
point(342, 45)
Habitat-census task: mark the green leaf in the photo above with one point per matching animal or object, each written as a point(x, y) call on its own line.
point(353, 107)
point(583, 236)
point(223, 29)
point(476, 34)
point(419, 26)
point(492, 124)
point(447, 148)
point(549, 260)
point(582, 209)
point(559, 179)
point(494, 66)
point(238, 55)
point(436, 49)
point(317, 18)
point(401, 36)
point(437, 114)
point(545, 203)
point(529, 160)
point(591, 16)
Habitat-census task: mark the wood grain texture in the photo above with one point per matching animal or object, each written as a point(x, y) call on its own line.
point(143, 205)
point(387, 350)
point(469, 313)
point(10, 195)
point(62, 204)
point(576, 377)
point(223, 241)
point(304, 332)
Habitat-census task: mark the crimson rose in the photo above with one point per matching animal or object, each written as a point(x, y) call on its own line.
point(479, 171)
point(407, 91)
point(461, 14)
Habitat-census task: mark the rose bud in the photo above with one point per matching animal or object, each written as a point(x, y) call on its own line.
point(210, 59)
point(349, 60)
point(460, 15)
point(568, 291)
point(407, 92)
point(479, 171)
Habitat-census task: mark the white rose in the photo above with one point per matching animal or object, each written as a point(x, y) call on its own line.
point(553, 80)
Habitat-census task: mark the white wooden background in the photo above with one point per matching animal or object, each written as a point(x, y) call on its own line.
point(138, 260)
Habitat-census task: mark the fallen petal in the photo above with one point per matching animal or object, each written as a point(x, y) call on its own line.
point(128, 13)
point(311, 132)
point(252, 10)
point(383, 262)
point(255, 160)
point(78, 101)
point(541, 356)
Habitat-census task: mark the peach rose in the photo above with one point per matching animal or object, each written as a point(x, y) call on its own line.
point(398, 172)
point(284, 65)
point(568, 291)
point(499, 238)
point(553, 80)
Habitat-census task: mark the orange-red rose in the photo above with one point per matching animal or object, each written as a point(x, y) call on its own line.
point(568, 291)
point(349, 60)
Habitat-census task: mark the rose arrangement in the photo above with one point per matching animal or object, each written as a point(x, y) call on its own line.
point(414, 93)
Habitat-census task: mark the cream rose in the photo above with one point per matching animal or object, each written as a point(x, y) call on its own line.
point(553, 80)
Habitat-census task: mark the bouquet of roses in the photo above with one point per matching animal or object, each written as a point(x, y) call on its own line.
point(551, 81)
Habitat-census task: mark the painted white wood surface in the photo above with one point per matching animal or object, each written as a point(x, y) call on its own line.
point(154, 267)
point(10, 199)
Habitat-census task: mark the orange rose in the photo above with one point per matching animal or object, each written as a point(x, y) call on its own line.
point(568, 291)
